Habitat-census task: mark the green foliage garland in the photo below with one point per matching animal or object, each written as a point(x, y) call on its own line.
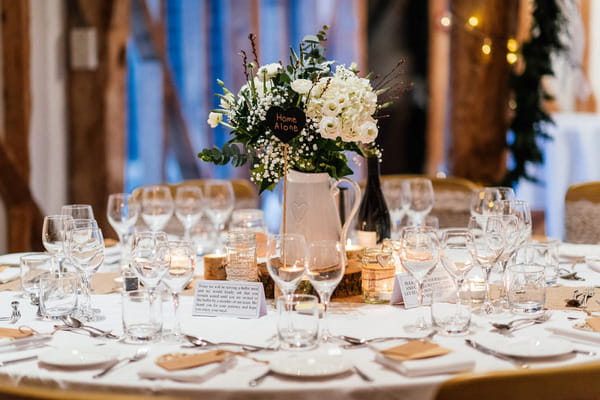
point(530, 118)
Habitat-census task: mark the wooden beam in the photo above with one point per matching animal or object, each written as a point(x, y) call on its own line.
point(480, 88)
point(97, 106)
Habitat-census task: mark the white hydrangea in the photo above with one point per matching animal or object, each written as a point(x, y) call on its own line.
point(343, 106)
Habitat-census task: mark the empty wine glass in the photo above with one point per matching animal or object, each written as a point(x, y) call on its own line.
point(157, 206)
point(325, 271)
point(484, 200)
point(419, 254)
point(188, 207)
point(421, 199)
point(506, 193)
point(220, 200)
point(521, 210)
point(122, 211)
point(78, 211)
point(53, 238)
point(182, 265)
point(393, 191)
point(85, 249)
point(486, 245)
point(286, 260)
point(150, 258)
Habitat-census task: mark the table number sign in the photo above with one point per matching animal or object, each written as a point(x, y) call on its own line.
point(229, 299)
point(406, 289)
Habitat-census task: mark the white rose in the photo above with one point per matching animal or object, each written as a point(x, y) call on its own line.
point(329, 127)
point(301, 86)
point(214, 119)
point(269, 71)
point(330, 108)
point(368, 131)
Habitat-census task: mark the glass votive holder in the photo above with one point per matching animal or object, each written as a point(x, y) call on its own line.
point(544, 254)
point(298, 321)
point(32, 266)
point(142, 319)
point(378, 274)
point(452, 315)
point(241, 257)
point(58, 293)
point(526, 288)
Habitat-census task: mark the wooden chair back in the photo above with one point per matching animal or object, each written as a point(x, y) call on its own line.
point(578, 381)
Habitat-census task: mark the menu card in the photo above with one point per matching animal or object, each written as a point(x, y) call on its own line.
point(229, 299)
point(406, 288)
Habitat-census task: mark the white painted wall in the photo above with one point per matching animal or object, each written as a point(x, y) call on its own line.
point(595, 48)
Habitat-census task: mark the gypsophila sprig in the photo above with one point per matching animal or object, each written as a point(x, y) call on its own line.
point(340, 109)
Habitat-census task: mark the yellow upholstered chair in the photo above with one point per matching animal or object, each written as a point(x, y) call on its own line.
point(579, 381)
point(44, 392)
point(452, 195)
point(582, 213)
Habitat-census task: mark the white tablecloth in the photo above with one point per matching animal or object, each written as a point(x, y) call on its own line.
point(573, 156)
point(358, 320)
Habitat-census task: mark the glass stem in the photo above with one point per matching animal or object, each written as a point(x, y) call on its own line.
point(487, 304)
point(420, 296)
point(325, 334)
point(177, 325)
point(86, 308)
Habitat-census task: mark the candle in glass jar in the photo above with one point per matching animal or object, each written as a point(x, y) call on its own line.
point(378, 274)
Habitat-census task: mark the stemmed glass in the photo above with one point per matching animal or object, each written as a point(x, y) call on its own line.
point(188, 207)
point(325, 271)
point(521, 210)
point(419, 254)
point(85, 249)
point(150, 258)
point(157, 206)
point(486, 245)
point(122, 211)
point(286, 260)
point(53, 238)
point(219, 205)
point(421, 199)
point(457, 258)
point(78, 211)
point(182, 265)
point(395, 198)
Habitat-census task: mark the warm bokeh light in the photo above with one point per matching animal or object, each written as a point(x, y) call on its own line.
point(512, 45)
point(473, 21)
point(511, 58)
point(446, 21)
point(486, 48)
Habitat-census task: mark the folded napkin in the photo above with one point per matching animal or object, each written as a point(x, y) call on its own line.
point(578, 335)
point(415, 350)
point(15, 333)
point(448, 364)
point(177, 361)
point(9, 274)
point(222, 367)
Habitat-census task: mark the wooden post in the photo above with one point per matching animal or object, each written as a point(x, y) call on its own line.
point(480, 88)
point(97, 105)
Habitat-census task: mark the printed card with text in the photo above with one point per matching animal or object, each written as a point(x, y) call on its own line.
point(229, 299)
point(406, 288)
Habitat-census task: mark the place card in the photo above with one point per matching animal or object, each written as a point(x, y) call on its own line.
point(229, 299)
point(178, 361)
point(406, 288)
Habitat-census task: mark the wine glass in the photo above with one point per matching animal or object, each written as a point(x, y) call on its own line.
point(53, 238)
point(182, 265)
point(421, 199)
point(325, 270)
point(521, 210)
point(122, 211)
point(78, 211)
point(484, 200)
point(393, 191)
point(150, 257)
point(157, 206)
point(486, 245)
point(506, 193)
point(85, 249)
point(457, 258)
point(419, 254)
point(189, 204)
point(286, 260)
point(219, 205)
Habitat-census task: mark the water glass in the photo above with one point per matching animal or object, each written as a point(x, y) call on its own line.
point(142, 318)
point(298, 322)
point(526, 287)
point(58, 293)
point(32, 266)
point(241, 257)
point(378, 274)
point(451, 315)
point(544, 254)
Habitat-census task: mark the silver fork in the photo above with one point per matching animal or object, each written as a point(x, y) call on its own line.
point(16, 314)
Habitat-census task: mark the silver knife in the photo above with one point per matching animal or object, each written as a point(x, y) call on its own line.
point(491, 352)
point(17, 360)
point(25, 343)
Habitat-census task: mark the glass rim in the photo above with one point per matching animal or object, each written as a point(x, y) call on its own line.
point(294, 298)
point(35, 256)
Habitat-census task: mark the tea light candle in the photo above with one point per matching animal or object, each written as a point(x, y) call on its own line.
point(477, 288)
point(214, 267)
point(378, 273)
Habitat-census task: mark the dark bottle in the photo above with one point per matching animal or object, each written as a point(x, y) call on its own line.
point(373, 222)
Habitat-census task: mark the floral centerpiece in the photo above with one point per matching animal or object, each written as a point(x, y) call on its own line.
point(332, 110)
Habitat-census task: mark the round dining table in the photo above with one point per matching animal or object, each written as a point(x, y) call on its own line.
point(231, 381)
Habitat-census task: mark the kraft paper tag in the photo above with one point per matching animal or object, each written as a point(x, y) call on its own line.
point(406, 289)
point(15, 333)
point(229, 299)
point(594, 323)
point(178, 361)
point(415, 350)
point(104, 283)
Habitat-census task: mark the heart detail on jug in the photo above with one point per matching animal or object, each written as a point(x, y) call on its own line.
point(286, 124)
point(298, 211)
